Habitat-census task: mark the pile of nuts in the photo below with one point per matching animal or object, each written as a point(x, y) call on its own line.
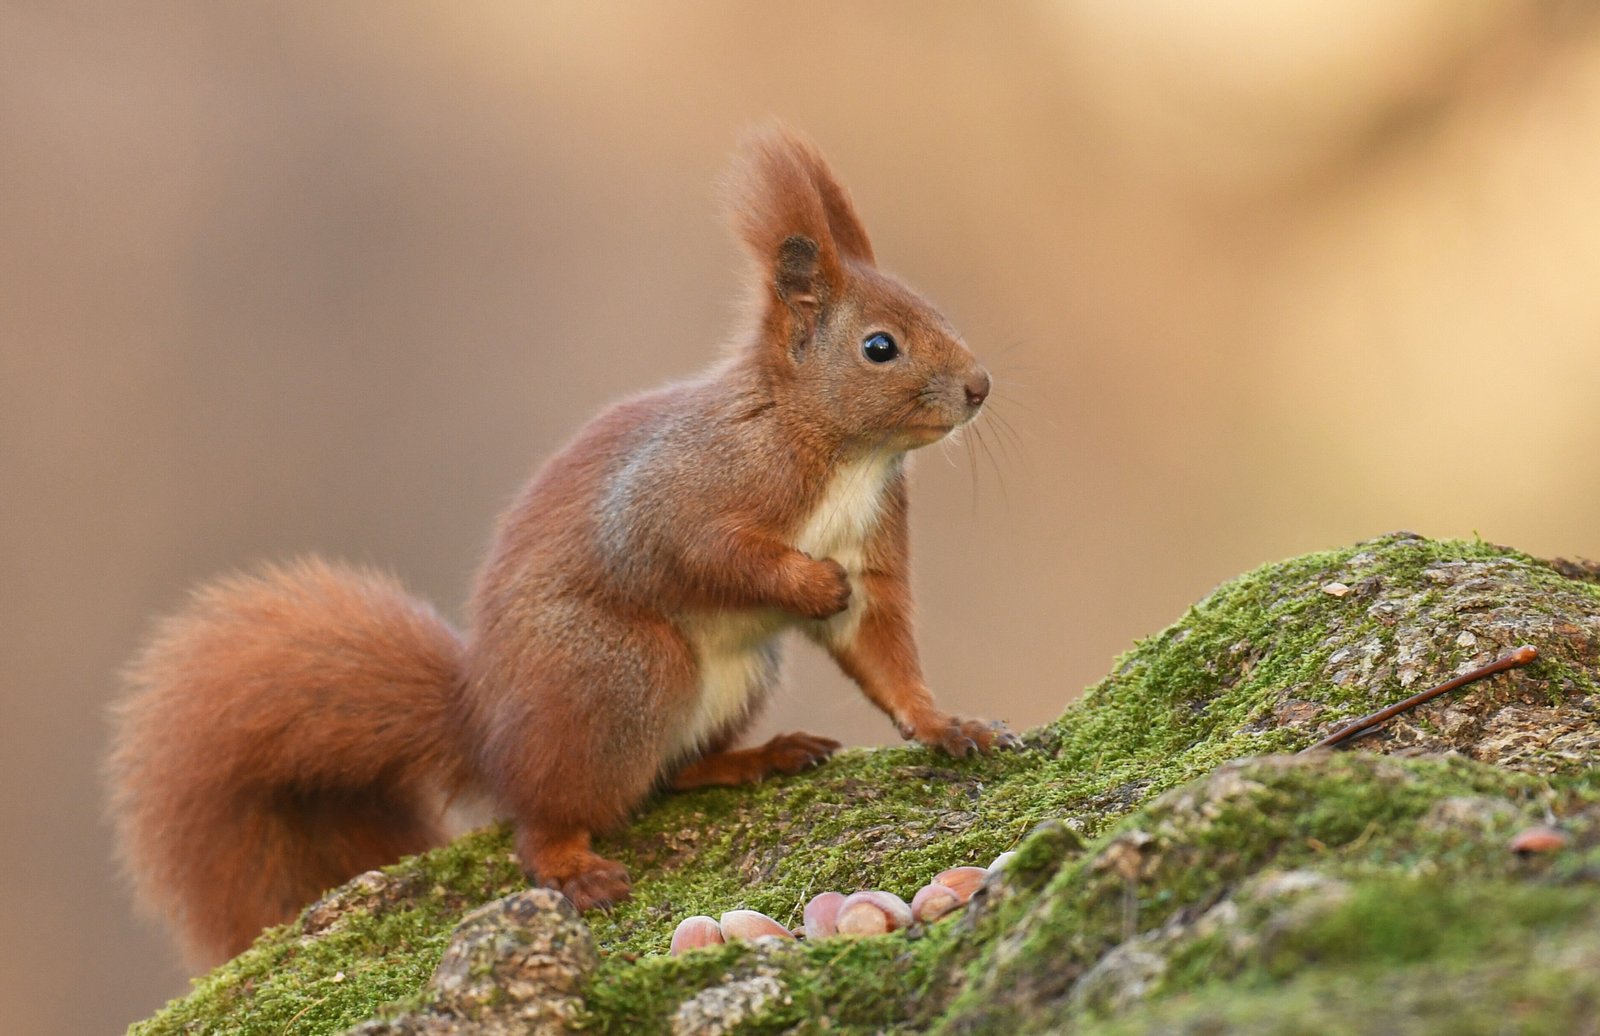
point(868, 912)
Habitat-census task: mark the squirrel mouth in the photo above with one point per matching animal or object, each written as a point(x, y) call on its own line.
point(926, 433)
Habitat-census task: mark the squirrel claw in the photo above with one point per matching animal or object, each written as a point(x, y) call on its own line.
point(794, 753)
point(1004, 738)
point(961, 737)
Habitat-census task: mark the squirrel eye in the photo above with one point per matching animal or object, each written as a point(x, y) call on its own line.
point(879, 348)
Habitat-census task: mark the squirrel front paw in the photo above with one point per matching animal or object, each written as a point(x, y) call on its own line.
point(821, 588)
point(961, 737)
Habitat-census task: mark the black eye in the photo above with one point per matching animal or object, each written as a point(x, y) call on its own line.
point(879, 348)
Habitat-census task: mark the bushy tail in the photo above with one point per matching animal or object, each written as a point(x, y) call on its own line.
point(283, 733)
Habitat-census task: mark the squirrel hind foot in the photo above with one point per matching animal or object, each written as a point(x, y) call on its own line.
point(600, 888)
point(587, 879)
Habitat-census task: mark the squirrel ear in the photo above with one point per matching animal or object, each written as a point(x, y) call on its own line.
point(795, 272)
point(849, 236)
point(794, 217)
point(795, 277)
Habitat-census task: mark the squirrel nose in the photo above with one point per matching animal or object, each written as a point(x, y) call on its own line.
point(977, 388)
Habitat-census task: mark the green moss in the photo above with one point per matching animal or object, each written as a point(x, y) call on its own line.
point(290, 982)
point(1406, 955)
point(1222, 683)
point(1419, 891)
point(853, 984)
point(319, 986)
point(1486, 1000)
point(1392, 921)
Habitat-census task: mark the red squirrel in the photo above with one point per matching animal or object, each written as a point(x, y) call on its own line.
point(293, 728)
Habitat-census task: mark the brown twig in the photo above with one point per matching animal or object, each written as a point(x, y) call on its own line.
point(1518, 658)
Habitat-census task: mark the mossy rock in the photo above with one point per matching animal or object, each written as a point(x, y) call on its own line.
point(1325, 893)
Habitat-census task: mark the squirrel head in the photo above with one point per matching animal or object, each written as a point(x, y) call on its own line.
point(858, 354)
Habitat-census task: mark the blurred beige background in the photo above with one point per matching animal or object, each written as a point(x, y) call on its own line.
point(1256, 279)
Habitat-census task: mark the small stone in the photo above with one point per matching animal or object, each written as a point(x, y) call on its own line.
point(1335, 589)
point(1296, 713)
point(1126, 854)
point(1468, 815)
point(722, 1008)
point(1275, 884)
point(1454, 722)
point(1120, 979)
point(1538, 840)
point(1465, 639)
point(369, 894)
point(516, 963)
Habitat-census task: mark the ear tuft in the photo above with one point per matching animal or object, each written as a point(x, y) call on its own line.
point(849, 236)
point(781, 190)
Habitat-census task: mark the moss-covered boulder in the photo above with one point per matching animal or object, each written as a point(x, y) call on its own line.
point(1157, 886)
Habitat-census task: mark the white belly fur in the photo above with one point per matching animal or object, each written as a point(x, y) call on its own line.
point(738, 662)
point(841, 522)
point(737, 651)
point(839, 527)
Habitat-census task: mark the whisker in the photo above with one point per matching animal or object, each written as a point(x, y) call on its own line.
point(1007, 433)
point(999, 474)
point(972, 470)
point(1002, 392)
point(1003, 354)
point(1012, 401)
point(1010, 382)
point(1000, 431)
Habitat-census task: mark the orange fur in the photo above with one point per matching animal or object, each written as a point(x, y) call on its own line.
point(283, 734)
point(292, 729)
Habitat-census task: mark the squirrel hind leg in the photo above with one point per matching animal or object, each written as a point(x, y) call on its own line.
point(564, 861)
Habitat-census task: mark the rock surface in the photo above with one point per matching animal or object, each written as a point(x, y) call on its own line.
point(1157, 886)
point(514, 966)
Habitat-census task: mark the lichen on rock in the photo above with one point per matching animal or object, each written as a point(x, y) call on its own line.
point(514, 966)
point(1154, 875)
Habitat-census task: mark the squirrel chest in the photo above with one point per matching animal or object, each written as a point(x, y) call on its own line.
point(737, 651)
